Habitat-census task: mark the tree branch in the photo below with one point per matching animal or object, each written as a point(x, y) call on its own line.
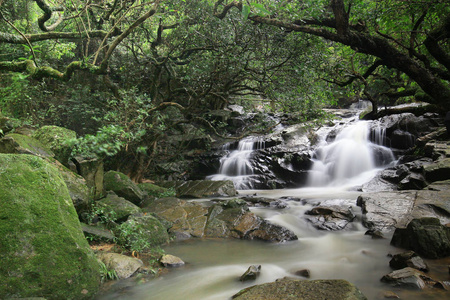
point(48, 12)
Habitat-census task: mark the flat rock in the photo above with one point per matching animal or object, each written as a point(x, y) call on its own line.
point(202, 188)
point(302, 289)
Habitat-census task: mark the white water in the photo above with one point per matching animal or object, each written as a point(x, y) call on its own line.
point(236, 166)
point(350, 159)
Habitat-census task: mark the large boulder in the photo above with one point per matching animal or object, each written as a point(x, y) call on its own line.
point(22, 144)
point(187, 219)
point(233, 219)
point(302, 289)
point(56, 139)
point(426, 236)
point(43, 249)
point(122, 185)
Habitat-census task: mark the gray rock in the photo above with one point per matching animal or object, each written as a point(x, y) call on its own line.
point(304, 273)
point(426, 236)
point(385, 210)
point(124, 266)
point(302, 289)
point(251, 274)
point(330, 217)
point(168, 260)
point(408, 259)
point(407, 277)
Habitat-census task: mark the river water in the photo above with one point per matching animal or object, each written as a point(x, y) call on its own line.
point(213, 266)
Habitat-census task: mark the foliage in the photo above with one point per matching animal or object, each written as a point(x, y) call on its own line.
point(130, 236)
point(107, 274)
point(101, 214)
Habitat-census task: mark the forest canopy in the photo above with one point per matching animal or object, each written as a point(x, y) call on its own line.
point(122, 73)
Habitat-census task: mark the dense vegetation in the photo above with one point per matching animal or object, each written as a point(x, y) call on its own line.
point(126, 74)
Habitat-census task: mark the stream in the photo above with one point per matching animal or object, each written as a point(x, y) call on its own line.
point(213, 266)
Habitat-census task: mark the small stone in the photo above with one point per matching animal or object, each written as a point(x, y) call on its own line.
point(408, 259)
point(304, 273)
point(252, 273)
point(171, 261)
point(390, 295)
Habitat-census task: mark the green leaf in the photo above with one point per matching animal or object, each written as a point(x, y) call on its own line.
point(245, 11)
point(262, 10)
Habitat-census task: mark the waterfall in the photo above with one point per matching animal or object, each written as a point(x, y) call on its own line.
point(236, 165)
point(351, 158)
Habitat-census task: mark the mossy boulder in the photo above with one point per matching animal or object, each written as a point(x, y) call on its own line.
point(22, 144)
point(201, 188)
point(302, 289)
point(154, 190)
point(142, 233)
point(43, 250)
point(55, 138)
point(122, 208)
point(122, 185)
point(5, 125)
point(80, 193)
point(426, 236)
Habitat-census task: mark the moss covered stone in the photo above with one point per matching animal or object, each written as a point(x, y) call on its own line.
point(153, 189)
point(55, 138)
point(22, 144)
point(122, 208)
point(302, 289)
point(43, 250)
point(122, 185)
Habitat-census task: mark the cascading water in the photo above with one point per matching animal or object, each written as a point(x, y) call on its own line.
point(351, 158)
point(237, 166)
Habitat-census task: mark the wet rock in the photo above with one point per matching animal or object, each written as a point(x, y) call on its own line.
point(438, 171)
point(408, 278)
point(302, 289)
point(55, 138)
point(408, 259)
point(123, 265)
point(265, 202)
point(376, 234)
point(385, 210)
point(153, 190)
point(330, 217)
point(413, 181)
point(251, 274)
point(122, 208)
point(426, 236)
point(122, 185)
point(239, 222)
point(168, 260)
point(390, 295)
point(201, 188)
point(303, 273)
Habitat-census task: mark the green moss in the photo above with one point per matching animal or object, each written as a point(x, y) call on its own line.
point(22, 144)
point(43, 250)
point(56, 138)
point(122, 185)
